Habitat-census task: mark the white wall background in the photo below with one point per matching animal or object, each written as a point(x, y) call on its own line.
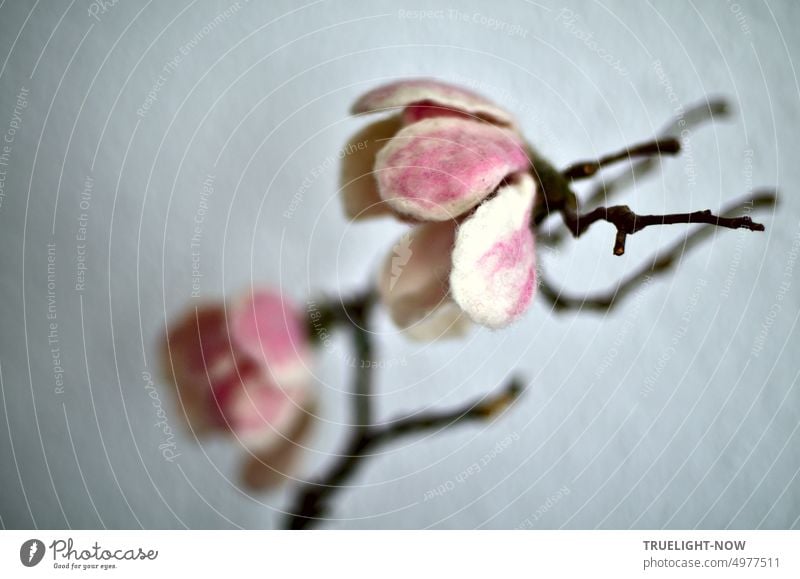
point(262, 100)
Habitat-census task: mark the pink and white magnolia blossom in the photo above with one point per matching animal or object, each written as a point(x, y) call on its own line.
point(453, 164)
point(243, 371)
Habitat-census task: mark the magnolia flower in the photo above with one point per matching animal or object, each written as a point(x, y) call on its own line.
point(243, 371)
point(453, 164)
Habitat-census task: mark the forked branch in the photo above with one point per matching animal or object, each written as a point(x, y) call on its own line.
point(556, 196)
point(627, 222)
point(313, 500)
point(659, 264)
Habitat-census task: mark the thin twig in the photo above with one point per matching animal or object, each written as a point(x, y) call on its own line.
point(660, 263)
point(627, 222)
point(362, 391)
point(682, 124)
point(556, 196)
point(480, 409)
point(586, 169)
point(314, 499)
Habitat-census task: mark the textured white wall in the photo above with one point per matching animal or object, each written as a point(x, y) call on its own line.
point(259, 102)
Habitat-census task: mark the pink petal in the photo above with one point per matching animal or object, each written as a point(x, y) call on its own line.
point(198, 359)
point(245, 375)
point(273, 463)
point(267, 328)
point(358, 185)
point(433, 92)
point(261, 414)
point(416, 113)
point(494, 276)
point(413, 283)
point(212, 359)
point(437, 169)
point(200, 340)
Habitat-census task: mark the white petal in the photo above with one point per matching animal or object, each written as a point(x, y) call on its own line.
point(493, 276)
point(430, 91)
point(445, 321)
point(275, 458)
point(413, 283)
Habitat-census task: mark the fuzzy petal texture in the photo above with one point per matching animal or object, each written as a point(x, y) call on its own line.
point(359, 189)
point(446, 320)
point(268, 329)
point(413, 283)
point(416, 113)
point(438, 168)
point(198, 358)
point(262, 415)
point(241, 372)
point(272, 464)
point(424, 91)
point(494, 263)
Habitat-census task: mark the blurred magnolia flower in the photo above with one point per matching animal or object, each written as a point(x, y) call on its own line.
point(243, 371)
point(453, 164)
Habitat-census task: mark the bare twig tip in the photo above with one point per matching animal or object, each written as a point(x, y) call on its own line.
point(501, 402)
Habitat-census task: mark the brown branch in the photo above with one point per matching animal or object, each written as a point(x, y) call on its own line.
point(334, 312)
point(691, 118)
point(314, 500)
point(586, 169)
point(481, 409)
point(659, 264)
point(362, 390)
point(556, 196)
point(627, 222)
